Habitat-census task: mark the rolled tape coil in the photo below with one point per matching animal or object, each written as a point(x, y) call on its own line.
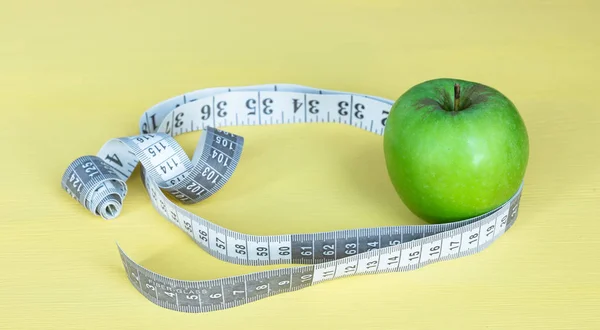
point(98, 182)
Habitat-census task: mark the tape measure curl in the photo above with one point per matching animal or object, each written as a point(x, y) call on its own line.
point(98, 182)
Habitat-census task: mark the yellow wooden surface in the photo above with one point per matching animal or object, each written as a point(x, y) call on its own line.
point(74, 74)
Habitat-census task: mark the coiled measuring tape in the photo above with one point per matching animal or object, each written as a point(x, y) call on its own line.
point(98, 183)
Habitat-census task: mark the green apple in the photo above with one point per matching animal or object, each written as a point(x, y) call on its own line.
point(454, 149)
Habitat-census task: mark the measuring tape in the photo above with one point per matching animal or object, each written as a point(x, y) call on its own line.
point(98, 183)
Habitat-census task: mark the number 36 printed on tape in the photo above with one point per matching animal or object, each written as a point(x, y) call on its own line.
point(98, 183)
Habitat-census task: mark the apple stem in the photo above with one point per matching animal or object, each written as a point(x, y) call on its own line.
point(456, 96)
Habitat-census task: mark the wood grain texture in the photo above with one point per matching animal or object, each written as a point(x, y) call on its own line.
point(74, 74)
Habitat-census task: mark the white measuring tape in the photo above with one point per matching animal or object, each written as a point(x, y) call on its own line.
point(98, 183)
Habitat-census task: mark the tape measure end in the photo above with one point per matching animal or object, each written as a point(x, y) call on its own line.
point(109, 210)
